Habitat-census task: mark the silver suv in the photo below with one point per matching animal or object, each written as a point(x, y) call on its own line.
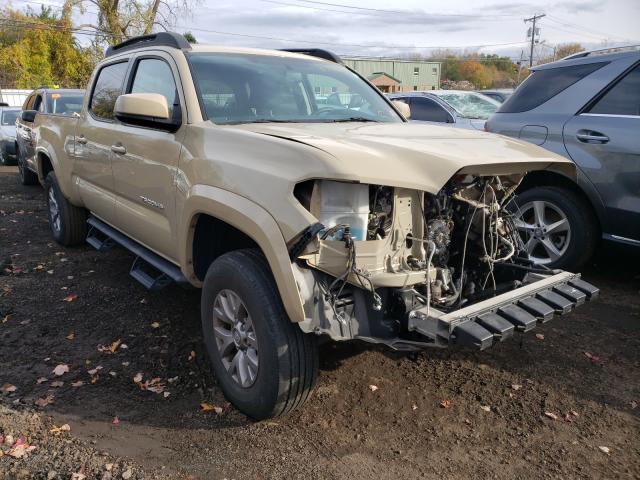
point(587, 108)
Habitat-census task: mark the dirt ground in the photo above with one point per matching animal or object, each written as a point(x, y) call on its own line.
point(439, 414)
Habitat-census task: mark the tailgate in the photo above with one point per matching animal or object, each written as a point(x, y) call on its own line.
point(482, 324)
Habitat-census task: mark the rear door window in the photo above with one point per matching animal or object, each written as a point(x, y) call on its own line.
point(623, 98)
point(107, 89)
point(542, 85)
point(427, 110)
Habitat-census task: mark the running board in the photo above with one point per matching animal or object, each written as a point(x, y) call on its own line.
point(149, 268)
point(496, 319)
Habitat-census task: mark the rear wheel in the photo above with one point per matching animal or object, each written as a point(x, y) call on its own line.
point(68, 223)
point(27, 177)
point(265, 364)
point(557, 227)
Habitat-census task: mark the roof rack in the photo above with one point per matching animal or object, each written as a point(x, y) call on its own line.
point(315, 52)
point(602, 51)
point(165, 39)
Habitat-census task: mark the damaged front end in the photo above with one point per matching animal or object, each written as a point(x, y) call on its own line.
point(412, 269)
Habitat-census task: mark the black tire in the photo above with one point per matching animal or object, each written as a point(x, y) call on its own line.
point(72, 226)
point(4, 158)
point(27, 177)
point(585, 232)
point(288, 358)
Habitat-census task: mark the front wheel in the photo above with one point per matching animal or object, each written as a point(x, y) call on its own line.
point(557, 227)
point(265, 364)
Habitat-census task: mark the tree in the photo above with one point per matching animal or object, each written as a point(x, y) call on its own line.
point(189, 37)
point(476, 73)
point(122, 19)
point(561, 51)
point(39, 49)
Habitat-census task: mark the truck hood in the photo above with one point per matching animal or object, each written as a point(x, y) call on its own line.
point(412, 155)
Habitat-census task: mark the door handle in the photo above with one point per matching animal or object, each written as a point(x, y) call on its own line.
point(587, 136)
point(119, 149)
point(82, 140)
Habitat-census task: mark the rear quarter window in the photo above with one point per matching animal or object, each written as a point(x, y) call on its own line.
point(542, 85)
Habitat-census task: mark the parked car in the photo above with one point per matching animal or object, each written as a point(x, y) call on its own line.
point(587, 108)
point(500, 95)
point(45, 101)
point(459, 108)
point(8, 117)
point(297, 219)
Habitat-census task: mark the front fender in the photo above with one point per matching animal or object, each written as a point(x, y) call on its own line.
point(255, 222)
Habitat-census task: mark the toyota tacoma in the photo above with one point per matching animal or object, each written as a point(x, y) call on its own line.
point(223, 168)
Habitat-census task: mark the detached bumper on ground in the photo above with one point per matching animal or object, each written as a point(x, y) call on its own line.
point(494, 320)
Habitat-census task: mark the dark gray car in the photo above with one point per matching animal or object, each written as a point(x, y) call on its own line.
point(587, 108)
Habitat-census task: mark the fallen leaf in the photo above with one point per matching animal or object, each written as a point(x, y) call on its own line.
point(172, 379)
point(41, 380)
point(60, 369)
point(124, 346)
point(78, 476)
point(125, 364)
point(551, 415)
point(414, 407)
point(43, 402)
point(6, 318)
point(111, 348)
point(57, 384)
point(71, 336)
point(207, 407)
point(70, 298)
point(138, 378)
point(8, 388)
point(112, 373)
point(592, 357)
point(445, 404)
point(633, 404)
point(95, 370)
point(116, 421)
point(63, 428)
point(94, 379)
point(604, 450)
point(192, 355)
point(155, 325)
point(539, 336)
point(486, 408)
point(154, 385)
point(166, 394)
point(515, 386)
point(574, 413)
point(77, 384)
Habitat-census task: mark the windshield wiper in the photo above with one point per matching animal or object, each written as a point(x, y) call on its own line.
point(353, 119)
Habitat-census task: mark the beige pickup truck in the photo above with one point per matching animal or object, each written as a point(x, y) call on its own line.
point(300, 218)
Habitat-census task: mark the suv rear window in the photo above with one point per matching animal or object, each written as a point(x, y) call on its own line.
point(543, 85)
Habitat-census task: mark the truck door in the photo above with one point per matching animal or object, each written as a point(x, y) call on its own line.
point(604, 141)
point(145, 160)
point(95, 136)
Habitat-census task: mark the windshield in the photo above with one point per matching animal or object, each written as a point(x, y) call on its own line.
point(470, 105)
point(9, 117)
point(245, 88)
point(64, 103)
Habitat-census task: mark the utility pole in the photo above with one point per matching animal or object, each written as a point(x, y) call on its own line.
point(533, 20)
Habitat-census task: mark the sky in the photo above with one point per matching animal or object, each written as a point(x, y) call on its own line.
point(403, 27)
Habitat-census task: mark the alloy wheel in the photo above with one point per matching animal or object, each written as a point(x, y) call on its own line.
point(235, 338)
point(545, 230)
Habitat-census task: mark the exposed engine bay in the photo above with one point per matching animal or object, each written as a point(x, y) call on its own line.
point(388, 263)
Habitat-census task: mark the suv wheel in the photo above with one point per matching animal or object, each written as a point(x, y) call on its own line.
point(265, 364)
point(68, 223)
point(556, 226)
point(27, 177)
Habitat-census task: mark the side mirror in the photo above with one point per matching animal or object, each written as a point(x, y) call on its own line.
point(147, 110)
point(28, 115)
point(402, 107)
point(149, 106)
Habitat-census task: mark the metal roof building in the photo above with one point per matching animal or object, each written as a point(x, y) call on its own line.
point(395, 75)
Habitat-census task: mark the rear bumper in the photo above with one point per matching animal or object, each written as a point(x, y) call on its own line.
point(497, 319)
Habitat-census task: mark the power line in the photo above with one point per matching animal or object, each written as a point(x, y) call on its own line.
point(582, 28)
point(405, 12)
point(533, 21)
